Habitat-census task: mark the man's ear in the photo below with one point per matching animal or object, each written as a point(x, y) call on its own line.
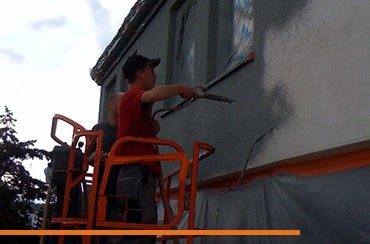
point(139, 73)
point(111, 105)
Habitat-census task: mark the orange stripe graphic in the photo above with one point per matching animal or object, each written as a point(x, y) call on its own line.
point(155, 232)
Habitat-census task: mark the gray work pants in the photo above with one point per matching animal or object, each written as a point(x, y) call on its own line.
point(137, 182)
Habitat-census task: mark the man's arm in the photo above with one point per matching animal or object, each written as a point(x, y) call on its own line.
point(163, 92)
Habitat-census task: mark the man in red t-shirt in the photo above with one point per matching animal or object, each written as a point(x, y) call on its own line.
point(135, 119)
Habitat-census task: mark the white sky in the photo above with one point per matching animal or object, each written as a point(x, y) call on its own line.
point(46, 50)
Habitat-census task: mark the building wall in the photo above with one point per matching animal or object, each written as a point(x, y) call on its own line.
point(308, 81)
point(319, 58)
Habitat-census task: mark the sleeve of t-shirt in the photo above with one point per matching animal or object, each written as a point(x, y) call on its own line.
point(136, 100)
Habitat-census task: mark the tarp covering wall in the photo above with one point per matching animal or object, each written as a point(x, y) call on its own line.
point(328, 208)
point(243, 31)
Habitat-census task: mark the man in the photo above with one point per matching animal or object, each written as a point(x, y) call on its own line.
point(137, 181)
point(109, 128)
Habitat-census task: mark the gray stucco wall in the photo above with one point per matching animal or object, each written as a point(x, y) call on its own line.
point(309, 81)
point(321, 58)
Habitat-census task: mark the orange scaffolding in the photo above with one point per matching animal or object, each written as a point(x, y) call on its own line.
point(94, 214)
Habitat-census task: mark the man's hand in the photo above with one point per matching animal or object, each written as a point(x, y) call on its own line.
point(188, 92)
point(92, 159)
point(103, 156)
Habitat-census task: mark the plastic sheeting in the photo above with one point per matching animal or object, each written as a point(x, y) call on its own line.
point(243, 32)
point(329, 208)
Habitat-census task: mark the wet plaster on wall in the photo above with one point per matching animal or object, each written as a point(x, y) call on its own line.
point(237, 126)
point(319, 56)
point(233, 128)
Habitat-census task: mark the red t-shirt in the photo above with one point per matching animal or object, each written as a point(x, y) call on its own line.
point(135, 119)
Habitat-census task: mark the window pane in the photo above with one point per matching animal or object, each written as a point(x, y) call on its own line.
point(185, 43)
point(235, 30)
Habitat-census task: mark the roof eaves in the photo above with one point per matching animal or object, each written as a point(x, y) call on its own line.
point(131, 26)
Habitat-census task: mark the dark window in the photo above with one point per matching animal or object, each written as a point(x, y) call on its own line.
point(185, 42)
point(229, 34)
point(183, 23)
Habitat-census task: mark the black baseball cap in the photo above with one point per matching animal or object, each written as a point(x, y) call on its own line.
point(137, 61)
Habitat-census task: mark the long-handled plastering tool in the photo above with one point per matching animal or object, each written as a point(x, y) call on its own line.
point(201, 93)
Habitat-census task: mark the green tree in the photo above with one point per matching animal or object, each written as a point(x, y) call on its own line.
point(17, 188)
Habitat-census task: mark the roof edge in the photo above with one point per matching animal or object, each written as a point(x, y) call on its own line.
point(132, 24)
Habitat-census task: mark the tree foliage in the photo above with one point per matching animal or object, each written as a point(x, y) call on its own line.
point(17, 188)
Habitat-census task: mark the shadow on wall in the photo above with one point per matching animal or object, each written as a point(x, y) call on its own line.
point(273, 14)
point(277, 106)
